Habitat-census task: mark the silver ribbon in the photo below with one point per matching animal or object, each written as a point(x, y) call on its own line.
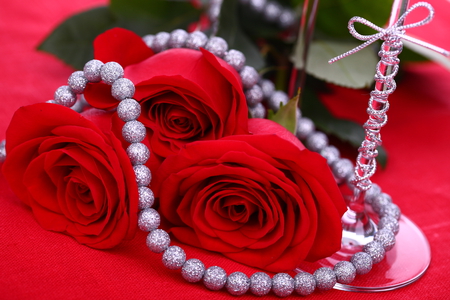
point(395, 30)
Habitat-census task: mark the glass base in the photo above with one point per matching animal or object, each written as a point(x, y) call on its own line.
point(403, 265)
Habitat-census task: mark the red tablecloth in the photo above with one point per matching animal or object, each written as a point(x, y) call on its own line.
point(37, 264)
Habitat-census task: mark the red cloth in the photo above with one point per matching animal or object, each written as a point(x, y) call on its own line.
point(37, 264)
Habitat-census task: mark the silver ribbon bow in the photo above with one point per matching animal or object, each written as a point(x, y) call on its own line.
point(395, 30)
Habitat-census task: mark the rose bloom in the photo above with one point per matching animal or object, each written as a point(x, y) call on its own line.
point(261, 199)
point(185, 95)
point(73, 173)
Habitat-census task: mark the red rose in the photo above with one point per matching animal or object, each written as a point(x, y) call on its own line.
point(73, 173)
point(262, 199)
point(186, 95)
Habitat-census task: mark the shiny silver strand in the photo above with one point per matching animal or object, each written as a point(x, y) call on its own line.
point(158, 240)
point(65, 96)
point(235, 58)
point(217, 46)
point(283, 284)
point(178, 38)
point(362, 262)
point(148, 219)
point(122, 88)
point(77, 82)
point(133, 132)
point(193, 270)
point(317, 141)
point(325, 278)
point(92, 70)
point(160, 42)
point(196, 40)
point(304, 283)
point(174, 258)
point(260, 284)
point(386, 237)
point(143, 175)
point(128, 110)
point(2, 151)
point(110, 72)
point(138, 153)
point(237, 283)
point(146, 197)
point(345, 272)
point(376, 251)
point(215, 278)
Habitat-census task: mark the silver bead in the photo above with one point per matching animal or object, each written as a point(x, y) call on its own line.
point(158, 240)
point(128, 110)
point(111, 71)
point(148, 40)
point(249, 76)
point(371, 193)
point(174, 258)
point(376, 251)
point(316, 141)
point(148, 219)
point(133, 132)
point(277, 98)
point(122, 88)
point(287, 18)
point(146, 197)
point(143, 175)
point(161, 42)
point(272, 11)
point(92, 70)
point(282, 284)
point(304, 283)
point(258, 5)
point(237, 283)
point(362, 262)
point(196, 40)
point(2, 150)
point(325, 278)
point(235, 59)
point(379, 201)
point(345, 272)
point(254, 95)
point(215, 278)
point(342, 169)
point(386, 238)
point(217, 46)
point(305, 127)
point(178, 38)
point(330, 153)
point(193, 270)
point(138, 153)
point(389, 223)
point(268, 87)
point(77, 82)
point(257, 111)
point(260, 284)
point(391, 210)
point(65, 96)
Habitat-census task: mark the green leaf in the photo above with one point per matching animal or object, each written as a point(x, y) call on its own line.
point(230, 29)
point(354, 71)
point(287, 115)
point(72, 40)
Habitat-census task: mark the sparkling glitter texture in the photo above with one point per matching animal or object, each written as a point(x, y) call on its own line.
point(133, 132)
point(77, 82)
point(254, 95)
point(305, 127)
point(376, 251)
point(389, 223)
point(317, 141)
point(215, 278)
point(304, 283)
point(128, 110)
point(193, 270)
point(386, 237)
point(110, 72)
point(174, 258)
point(282, 284)
point(178, 38)
point(379, 201)
point(158, 240)
point(149, 219)
point(92, 70)
point(196, 40)
point(330, 153)
point(342, 169)
point(143, 175)
point(138, 153)
point(258, 111)
point(160, 42)
point(65, 96)
point(325, 278)
point(122, 88)
point(345, 272)
point(260, 284)
point(235, 58)
point(249, 76)
point(237, 283)
point(217, 46)
point(362, 262)
point(277, 98)
point(146, 197)
point(391, 210)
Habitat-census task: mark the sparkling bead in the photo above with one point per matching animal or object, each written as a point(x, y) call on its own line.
point(342, 169)
point(277, 98)
point(268, 87)
point(158, 240)
point(178, 38)
point(110, 72)
point(217, 46)
point(305, 127)
point(193, 270)
point(316, 141)
point(258, 5)
point(254, 95)
point(389, 223)
point(77, 82)
point(133, 132)
point(143, 175)
point(304, 283)
point(379, 201)
point(287, 18)
point(146, 197)
point(235, 59)
point(257, 111)
point(330, 153)
point(148, 40)
point(272, 11)
point(2, 151)
point(128, 110)
point(345, 272)
point(122, 88)
point(138, 153)
point(65, 96)
point(260, 284)
point(174, 258)
point(215, 278)
point(371, 193)
point(237, 283)
point(282, 284)
point(249, 76)
point(362, 262)
point(391, 210)
point(92, 70)
point(149, 219)
point(375, 250)
point(160, 42)
point(196, 40)
point(386, 238)
point(325, 278)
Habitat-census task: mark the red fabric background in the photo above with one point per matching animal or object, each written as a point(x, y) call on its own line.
point(37, 264)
